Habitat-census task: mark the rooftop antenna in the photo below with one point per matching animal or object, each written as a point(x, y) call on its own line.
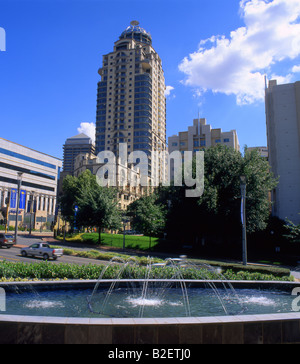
point(266, 82)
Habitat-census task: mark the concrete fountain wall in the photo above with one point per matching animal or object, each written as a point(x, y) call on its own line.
point(261, 329)
point(252, 329)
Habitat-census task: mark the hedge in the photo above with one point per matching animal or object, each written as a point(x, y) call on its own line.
point(234, 267)
point(50, 271)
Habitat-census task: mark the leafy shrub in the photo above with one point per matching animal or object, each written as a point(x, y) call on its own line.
point(49, 271)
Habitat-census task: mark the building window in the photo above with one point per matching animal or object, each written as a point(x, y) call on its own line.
point(227, 140)
point(26, 158)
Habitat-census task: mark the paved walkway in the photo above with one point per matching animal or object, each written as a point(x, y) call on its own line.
point(296, 274)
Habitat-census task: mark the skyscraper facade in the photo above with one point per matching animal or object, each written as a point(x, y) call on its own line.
point(131, 104)
point(74, 146)
point(283, 130)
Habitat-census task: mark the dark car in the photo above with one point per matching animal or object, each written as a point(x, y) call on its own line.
point(7, 240)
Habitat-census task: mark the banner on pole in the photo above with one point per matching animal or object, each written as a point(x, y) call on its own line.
point(14, 198)
point(22, 200)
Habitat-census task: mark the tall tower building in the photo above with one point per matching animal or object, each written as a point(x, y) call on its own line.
point(131, 104)
point(283, 129)
point(74, 146)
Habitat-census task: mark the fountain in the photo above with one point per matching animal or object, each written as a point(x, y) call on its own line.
point(162, 287)
point(163, 303)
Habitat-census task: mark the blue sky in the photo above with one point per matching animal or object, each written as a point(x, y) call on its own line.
point(215, 54)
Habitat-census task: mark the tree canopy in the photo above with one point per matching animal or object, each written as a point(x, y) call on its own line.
point(148, 216)
point(222, 194)
point(96, 206)
point(218, 211)
point(292, 232)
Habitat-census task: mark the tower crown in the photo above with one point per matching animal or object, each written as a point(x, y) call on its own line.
point(134, 31)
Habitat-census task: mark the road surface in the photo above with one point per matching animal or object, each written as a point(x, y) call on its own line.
point(13, 255)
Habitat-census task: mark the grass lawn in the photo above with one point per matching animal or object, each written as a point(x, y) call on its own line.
point(115, 240)
point(233, 270)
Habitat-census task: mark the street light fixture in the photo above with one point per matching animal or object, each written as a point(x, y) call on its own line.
point(32, 210)
point(243, 181)
point(19, 180)
point(125, 221)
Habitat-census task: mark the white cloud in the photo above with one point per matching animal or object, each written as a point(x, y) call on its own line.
point(168, 91)
point(88, 129)
point(236, 65)
point(282, 79)
point(296, 69)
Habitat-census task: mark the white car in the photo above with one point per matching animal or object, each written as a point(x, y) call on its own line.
point(42, 250)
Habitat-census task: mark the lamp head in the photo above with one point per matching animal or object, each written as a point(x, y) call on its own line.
point(20, 175)
point(243, 179)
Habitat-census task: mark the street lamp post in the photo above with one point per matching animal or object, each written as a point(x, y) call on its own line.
point(7, 211)
point(125, 221)
point(32, 210)
point(243, 217)
point(19, 179)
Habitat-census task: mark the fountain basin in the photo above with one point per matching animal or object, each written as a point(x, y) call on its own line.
point(272, 327)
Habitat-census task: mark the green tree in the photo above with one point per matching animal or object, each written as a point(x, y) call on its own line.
point(217, 213)
point(68, 198)
point(293, 232)
point(221, 198)
point(97, 206)
point(148, 216)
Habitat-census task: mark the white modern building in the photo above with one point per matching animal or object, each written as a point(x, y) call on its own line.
point(283, 131)
point(39, 174)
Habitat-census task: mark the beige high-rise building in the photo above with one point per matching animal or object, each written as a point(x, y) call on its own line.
point(131, 104)
point(283, 130)
point(263, 151)
point(201, 135)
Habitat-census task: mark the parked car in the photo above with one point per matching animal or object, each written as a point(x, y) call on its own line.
point(7, 240)
point(42, 250)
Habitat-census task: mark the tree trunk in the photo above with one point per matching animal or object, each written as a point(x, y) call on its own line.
point(99, 238)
